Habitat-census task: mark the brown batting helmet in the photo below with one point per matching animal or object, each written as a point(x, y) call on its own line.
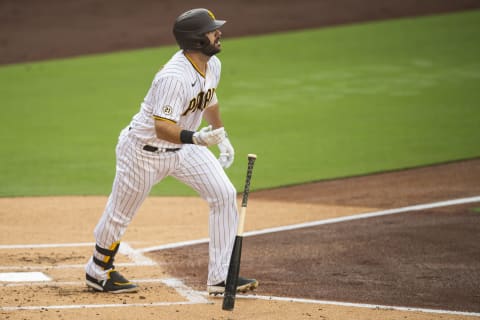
point(190, 27)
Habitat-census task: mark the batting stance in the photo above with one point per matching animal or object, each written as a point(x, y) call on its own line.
point(162, 140)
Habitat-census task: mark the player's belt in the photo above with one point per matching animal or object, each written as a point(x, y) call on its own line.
point(155, 149)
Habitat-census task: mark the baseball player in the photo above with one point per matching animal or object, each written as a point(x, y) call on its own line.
point(162, 140)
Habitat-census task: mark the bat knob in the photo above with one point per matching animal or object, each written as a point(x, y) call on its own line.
point(228, 302)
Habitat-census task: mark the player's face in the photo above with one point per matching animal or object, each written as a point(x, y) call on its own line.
point(215, 46)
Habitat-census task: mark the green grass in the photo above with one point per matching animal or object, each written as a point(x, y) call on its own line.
point(313, 105)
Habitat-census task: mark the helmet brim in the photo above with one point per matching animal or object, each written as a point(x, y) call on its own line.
point(215, 25)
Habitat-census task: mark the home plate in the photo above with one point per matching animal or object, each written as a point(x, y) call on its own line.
point(23, 277)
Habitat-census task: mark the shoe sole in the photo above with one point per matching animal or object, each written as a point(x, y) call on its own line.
point(98, 288)
point(242, 289)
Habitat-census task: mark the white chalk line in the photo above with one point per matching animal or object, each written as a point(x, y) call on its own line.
point(174, 245)
point(192, 296)
point(23, 277)
point(68, 266)
point(93, 306)
point(323, 222)
point(185, 291)
point(136, 256)
point(47, 245)
point(73, 283)
point(359, 305)
point(198, 297)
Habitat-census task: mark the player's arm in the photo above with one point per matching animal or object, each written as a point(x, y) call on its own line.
point(169, 131)
point(227, 153)
point(212, 116)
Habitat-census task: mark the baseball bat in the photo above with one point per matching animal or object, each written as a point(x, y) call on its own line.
point(234, 268)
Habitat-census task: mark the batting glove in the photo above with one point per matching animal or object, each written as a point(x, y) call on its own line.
point(208, 137)
point(226, 153)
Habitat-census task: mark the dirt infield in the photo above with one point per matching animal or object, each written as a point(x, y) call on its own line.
point(420, 259)
point(425, 259)
point(356, 269)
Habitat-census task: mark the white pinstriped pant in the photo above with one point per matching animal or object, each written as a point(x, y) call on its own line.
point(137, 171)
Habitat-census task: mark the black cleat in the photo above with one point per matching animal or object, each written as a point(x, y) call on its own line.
point(115, 283)
point(243, 285)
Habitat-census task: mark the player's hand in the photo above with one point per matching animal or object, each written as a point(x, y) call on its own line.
point(226, 153)
point(208, 137)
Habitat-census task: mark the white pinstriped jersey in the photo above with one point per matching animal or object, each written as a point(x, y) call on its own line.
point(179, 93)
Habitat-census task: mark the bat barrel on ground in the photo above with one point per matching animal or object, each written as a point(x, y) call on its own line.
point(234, 268)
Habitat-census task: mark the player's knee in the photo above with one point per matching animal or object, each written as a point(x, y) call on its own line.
point(230, 191)
point(224, 196)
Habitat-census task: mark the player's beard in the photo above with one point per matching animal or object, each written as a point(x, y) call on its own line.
point(211, 49)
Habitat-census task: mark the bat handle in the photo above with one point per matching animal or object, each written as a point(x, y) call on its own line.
point(251, 161)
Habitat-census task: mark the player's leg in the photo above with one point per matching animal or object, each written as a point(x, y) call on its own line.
point(136, 173)
point(200, 169)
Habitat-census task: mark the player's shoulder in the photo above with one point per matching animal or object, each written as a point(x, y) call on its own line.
point(215, 65)
point(176, 65)
point(215, 61)
point(174, 69)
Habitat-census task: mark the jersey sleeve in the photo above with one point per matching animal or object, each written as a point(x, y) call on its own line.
point(167, 98)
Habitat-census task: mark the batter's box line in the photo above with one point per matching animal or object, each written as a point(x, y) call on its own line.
point(355, 305)
point(96, 306)
point(68, 266)
point(165, 281)
point(136, 256)
point(46, 245)
point(192, 296)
